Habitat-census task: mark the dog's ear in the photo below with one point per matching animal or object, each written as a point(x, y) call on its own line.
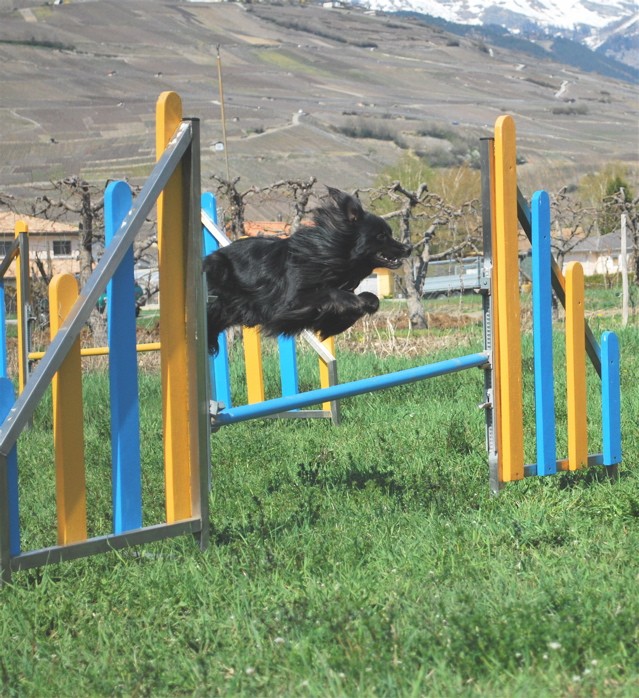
point(349, 205)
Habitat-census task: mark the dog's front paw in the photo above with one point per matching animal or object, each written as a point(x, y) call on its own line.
point(369, 301)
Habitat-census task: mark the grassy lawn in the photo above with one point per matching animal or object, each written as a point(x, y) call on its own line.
point(367, 559)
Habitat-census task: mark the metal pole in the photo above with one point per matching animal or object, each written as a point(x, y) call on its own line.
point(199, 380)
point(491, 398)
point(25, 296)
point(5, 549)
point(222, 115)
point(624, 272)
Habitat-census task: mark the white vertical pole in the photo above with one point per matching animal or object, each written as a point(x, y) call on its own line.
point(624, 272)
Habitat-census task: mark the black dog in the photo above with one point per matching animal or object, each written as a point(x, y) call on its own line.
point(305, 281)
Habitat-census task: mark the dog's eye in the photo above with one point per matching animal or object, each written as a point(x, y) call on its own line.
point(381, 236)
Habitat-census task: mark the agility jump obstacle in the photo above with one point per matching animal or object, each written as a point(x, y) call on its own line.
point(175, 182)
point(503, 208)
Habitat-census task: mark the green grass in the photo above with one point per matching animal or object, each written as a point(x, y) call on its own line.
point(367, 559)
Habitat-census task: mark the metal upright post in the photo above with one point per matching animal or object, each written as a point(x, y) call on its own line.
point(491, 394)
point(199, 378)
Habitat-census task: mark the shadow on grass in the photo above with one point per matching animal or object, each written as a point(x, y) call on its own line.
point(594, 475)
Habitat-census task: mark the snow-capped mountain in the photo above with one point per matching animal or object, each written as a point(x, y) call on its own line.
point(611, 26)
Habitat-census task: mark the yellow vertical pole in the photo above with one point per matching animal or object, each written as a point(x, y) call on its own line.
point(576, 368)
point(171, 214)
point(329, 343)
point(68, 424)
point(253, 363)
point(508, 306)
point(21, 227)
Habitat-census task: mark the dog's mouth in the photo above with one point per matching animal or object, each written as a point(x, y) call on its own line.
point(388, 262)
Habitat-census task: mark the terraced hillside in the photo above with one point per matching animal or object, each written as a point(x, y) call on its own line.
point(308, 91)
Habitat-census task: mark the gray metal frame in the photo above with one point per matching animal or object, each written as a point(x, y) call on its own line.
point(9, 256)
point(592, 348)
point(5, 552)
point(93, 289)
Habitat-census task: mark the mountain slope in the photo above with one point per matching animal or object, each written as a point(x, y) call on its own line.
point(610, 27)
point(556, 48)
point(587, 15)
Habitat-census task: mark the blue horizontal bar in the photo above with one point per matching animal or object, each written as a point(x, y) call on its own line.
point(336, 392)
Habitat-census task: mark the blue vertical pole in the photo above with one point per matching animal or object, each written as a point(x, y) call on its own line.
point(610, 399)
point(288, 365)
point(542, 335)
point(7, 398)
point(3, 333)
point(123, 372)
point(218, 365)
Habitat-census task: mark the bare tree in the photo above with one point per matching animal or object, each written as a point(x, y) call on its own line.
point(423, 216)
point(300, 191)
point(575, 222)
point(235, 200)
point(572, 223)
point(73, 197)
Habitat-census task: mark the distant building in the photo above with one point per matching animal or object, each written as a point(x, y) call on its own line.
point(56, 244)
point(258, 228)
point(600, 254)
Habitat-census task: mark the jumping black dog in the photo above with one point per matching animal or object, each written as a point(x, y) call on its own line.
point(305, 281)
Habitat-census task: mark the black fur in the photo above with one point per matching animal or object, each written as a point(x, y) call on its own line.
point(305, 281)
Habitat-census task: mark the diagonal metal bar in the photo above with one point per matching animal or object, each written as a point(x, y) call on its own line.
point(214, 229)
point(103, 544)
point(10, 255)
point(97, 282)
point(317, 346)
